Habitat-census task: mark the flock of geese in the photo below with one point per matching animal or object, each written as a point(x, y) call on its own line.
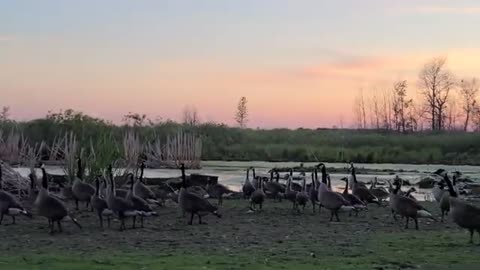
point(138, 201)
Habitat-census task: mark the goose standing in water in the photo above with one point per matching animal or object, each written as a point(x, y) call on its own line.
point(82, 191)
point(194, 204)
point(52, 208)
point(465, 215)
point(247, 187)
point(9, 204)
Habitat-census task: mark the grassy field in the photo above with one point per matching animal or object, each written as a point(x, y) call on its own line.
point(275, 238)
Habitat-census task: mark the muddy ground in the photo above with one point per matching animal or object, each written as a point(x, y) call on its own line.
point(276, 234)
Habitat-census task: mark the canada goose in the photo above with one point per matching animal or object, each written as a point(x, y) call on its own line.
point(217, 191)
point(314, 189)
point(100, 205)
point(353, 176)
point(52, 208)
point(9, 204)
point(379, 192)
point(119, 206)
point(290, 194)
point(302, 197)
point(33, 191)
point(274, 187)
point(331, 200)
point(138, 203)
point(192, 203)
point(257, 197)
point(465, 215)
point(82, 191)
point(361, 191)
point(247, 187)
point(407, 207)
point(352, 199)
point(143, 191)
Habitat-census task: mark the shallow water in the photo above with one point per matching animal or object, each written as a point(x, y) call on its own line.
point(232, 173)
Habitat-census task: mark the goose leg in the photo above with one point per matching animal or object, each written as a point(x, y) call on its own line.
point(59, 224)
point(416, 223)
point(394, 216)
point(331, 215)
point(100, 218)
point(191, 219)
point(313, 207)
point(50, 225)
point(141, 221)
point(134, 222)
point(336, 215)
point(1, 217)
point(76, 204)
point(108, 222)
point(443, 214)
point(13, 220)
point(261, 206)
point(199, 219)
point(471, 236)
point(406, 223)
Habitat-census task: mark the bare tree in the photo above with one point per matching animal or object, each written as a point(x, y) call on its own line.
point(190, 115)
point(375, 114)
point(400, 104)
point(359, 110)
point(5, 114)
point(435, 82)
point(468, 93)
point(241, 115)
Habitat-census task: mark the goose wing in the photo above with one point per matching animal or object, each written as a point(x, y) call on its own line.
point(140, 204)
point(53, 207)
point(332, 200)
point(199, 203)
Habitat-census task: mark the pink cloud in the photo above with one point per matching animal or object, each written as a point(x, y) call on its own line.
point(443, 10)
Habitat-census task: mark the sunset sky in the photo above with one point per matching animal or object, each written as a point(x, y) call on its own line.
point(299, 63)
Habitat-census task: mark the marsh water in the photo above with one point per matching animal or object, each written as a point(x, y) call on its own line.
point(232, 173)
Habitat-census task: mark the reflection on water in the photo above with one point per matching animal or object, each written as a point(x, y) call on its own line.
point(232, 173)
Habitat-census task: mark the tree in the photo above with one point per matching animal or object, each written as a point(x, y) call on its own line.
point(360, 111)
point(136, 119)
point(400, 104)
point(190, 116)
point(468, 93)
point(435, 82)
point(241, 116)
point(5, 114)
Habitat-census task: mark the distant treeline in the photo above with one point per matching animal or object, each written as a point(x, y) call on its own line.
point(221, 142)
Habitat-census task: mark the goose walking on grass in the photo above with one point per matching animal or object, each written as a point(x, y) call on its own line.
point(9, 204)
point(82, 191)
point(407, 207)
point(360, 190)
point(465, 215)
point(143, 191)
point(194, 204)
point(274, 187)
point(302, 197)
point(257, 197)
point(100, 205)
point(248, 187)
point(139, 204)
point(352, 199)
point(332, 201)
point(290, 194)
point(52, 208)
point(119, 206)
point(314, 190)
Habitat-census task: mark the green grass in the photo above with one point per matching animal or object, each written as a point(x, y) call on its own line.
point(426, 250)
